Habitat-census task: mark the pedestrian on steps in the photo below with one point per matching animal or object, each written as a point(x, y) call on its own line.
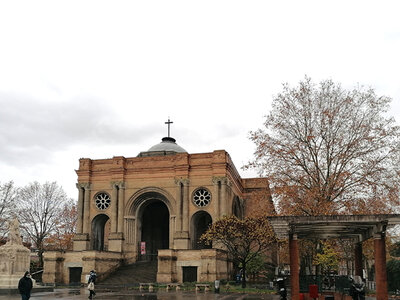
point(91, 283)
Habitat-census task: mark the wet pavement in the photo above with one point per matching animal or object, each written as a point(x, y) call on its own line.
point(82, 293)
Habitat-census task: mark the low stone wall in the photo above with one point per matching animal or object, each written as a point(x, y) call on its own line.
point(212, 264)
point(57, 264)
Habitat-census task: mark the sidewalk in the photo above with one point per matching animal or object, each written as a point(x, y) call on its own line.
point(75, 294)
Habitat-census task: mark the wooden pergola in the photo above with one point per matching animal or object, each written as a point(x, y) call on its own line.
point(355, 227)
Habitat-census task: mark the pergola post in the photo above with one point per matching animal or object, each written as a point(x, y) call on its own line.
point(294, 266)
point(380, 266)
point(358, 265)
point(360, 227)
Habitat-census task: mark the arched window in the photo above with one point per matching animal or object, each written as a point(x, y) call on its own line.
point(100, 231)
point(199, 224)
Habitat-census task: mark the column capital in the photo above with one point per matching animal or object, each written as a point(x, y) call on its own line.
point(379, 228)
point(221, 179)
point(379, 235)
point(84, 185)
point(117, 184)
point(183, 181)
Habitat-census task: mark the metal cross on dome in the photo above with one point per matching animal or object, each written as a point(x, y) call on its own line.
point(169, 124)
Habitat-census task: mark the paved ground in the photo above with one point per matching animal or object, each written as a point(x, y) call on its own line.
point(74, 294)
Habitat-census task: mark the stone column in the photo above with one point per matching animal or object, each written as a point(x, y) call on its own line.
point(172, 226)
point(223, 201)
point(217, 195)
point(121, 204)
point(380, 267)
point(79, 220)
point(185, 207)
point(86, 209)
point(294, 266)
point(115, 238)
point(179, 209)
point(113, 207)
point(358, 265)
point(181, 235)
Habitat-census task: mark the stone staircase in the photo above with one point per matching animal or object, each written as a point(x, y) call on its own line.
point(131, 275)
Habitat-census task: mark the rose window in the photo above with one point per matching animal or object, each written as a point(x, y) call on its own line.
point(201, 197)
point(102, 201)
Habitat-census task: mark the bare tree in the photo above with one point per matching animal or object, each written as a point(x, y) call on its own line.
point(326, 150)
point(8, 194)
point(39, 206)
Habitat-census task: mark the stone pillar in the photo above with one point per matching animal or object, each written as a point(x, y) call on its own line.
point(121, 205)
point(53, 267)
point(217, 195)
point(185, 207)
point(223, 200)
point(358, 265)
point(179, 209)
point(167, 266)
point(181, 236)
point(86, 209)
point(294, 266)
point(79, 220)
point(115, 237)
point(81, 237)
point(113, 207)
point(380, 267)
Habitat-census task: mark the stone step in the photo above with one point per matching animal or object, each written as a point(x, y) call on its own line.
point(132, 274)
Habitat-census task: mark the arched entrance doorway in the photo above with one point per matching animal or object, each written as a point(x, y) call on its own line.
point(100, 231)
point(199, 225)
point(154, 228)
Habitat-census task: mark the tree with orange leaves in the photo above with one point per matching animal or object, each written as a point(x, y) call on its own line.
point(329, 150)
point(62, 236)
point(243, 239)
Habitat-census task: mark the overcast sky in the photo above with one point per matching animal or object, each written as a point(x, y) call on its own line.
point(98, 79)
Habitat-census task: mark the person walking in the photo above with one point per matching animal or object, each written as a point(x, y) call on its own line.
point(91, 283)
point(25, 286)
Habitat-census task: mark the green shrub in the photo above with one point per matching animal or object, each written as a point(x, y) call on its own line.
point(393, 274)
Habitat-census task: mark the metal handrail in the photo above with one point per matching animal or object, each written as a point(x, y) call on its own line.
point(37, 272)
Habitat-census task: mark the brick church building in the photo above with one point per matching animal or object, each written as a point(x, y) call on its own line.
point(154, 207)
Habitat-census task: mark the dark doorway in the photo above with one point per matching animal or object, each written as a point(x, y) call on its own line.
point(99, 237)
point(189, 274)
point(199, 225)
point(155, 229)
point(75, 275)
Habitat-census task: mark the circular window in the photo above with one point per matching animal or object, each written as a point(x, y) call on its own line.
point(201, 197)
point(102, 201)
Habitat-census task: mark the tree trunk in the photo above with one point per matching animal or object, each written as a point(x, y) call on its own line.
point(40, 254)
point(244, 276)
point(39, 246)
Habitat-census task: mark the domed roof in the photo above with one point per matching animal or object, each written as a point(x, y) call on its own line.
point(168, 146)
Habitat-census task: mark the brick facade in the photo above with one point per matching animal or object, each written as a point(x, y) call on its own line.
point(116, 194)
